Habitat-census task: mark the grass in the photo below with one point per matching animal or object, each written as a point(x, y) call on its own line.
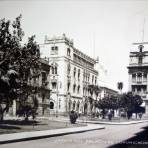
point(16, 126)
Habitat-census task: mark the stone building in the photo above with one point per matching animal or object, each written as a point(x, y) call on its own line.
point(107, 92)
point(138, 71)
point(71, 74)
point(41, 83)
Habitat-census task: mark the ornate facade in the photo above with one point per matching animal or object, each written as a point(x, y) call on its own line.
point(138, 70)
point(71, 74)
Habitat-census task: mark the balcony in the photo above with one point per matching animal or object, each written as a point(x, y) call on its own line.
point(144, 82)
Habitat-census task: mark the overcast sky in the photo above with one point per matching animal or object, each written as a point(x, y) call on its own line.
point(104, 28)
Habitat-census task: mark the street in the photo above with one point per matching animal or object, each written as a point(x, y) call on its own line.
point(108, 137)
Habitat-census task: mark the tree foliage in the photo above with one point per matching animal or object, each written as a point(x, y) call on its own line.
point(128, 102)
point(18, 63)
point(109, 102)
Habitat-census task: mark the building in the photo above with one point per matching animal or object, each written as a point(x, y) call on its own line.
point(107, 92)
point(138, 71)
point(40, 82)
point(71, 74)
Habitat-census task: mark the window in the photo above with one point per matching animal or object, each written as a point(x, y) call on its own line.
point(78, 74)
point(68, 68)
point(95, 80)
point(133, 77)
point(59, 103)
point(54, 50)
point(133, 89)
point(74, 88)
point(74, 105)
point(139, 89)
point(92, 79)
point(140, 60)
point(83, 91)
point(54, 85)
point(54, 68)
point(78, 89)
point(139, 77)
point(68, 86)
point(74, 73)
point(44, 77)
point(145, 77)
point(68, 51)
point(51, 105)
point(78, 105)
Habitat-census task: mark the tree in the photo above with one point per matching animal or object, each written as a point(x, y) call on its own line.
point(18, 64)
point(137, 102)
point(130, 103)
point(120, 86)
point(108, 103)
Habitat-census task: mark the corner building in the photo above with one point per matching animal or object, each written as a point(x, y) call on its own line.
point(138, 71)
point(71, 73)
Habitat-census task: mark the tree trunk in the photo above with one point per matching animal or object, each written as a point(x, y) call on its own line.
point(1, 117)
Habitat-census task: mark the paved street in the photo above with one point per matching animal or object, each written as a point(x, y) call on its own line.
point(94, 139)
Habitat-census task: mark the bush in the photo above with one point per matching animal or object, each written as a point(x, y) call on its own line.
point(73, 117)
point(110, 116)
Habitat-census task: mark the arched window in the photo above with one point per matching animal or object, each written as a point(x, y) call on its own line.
point(51, 105)
point(68, 68)
point(78, 105)
point(74, 72)
point(68, 51)
point(78, 89)
point(74, 88)
point(78, 74)
point(54, 68)
point(74, 105)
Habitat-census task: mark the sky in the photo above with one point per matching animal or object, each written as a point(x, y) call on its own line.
point(99, 28)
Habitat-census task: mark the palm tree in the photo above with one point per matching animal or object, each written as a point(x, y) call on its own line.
point(120, 86)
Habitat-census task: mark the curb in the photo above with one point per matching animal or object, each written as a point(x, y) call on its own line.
point(23, 136)
point(106, 123)
point(114, 123)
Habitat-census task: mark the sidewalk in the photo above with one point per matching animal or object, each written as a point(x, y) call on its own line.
point(104, 122)
point(15, 137)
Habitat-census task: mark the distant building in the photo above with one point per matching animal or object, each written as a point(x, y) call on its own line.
point(107, 92)
point(71, 73)
point(138, 70)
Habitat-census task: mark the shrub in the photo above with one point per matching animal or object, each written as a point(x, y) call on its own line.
point(73, 117)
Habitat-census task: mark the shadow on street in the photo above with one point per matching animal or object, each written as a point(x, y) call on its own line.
point(140, 140)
